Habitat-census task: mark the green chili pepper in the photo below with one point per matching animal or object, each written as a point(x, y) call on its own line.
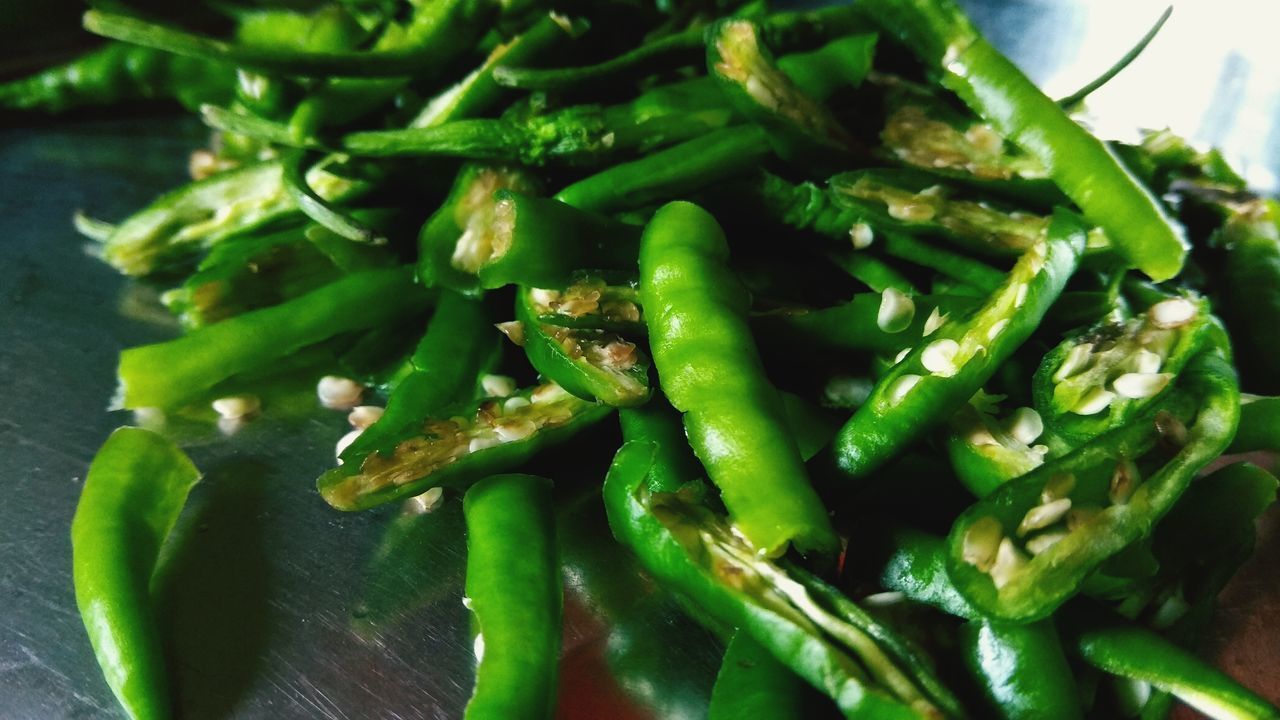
point(1130, 651)
point(171, 373)
point(675, 171)
point(799, 126)
point(480, 90)
point(579, 135)
point(1259, 425)
point(511, 543)
point(283, 60)
point(592, 364)
point(809, 627)
point(458, 347)
point(924, 131)
point(117, 72)
point(543, 242)
point(593, 301)
point(710, 370)
point(455, 451)
point(251, 272)
point(1079, 163)
point(203, 213)
point(912, 202)
point(960, 356)
point(807, 207)
point(986, 452)
point(459, 237)
point(320, 210)
point(843, 62)
point(786, 31)
point(132, 496)
point(1251, 236)
point(1021, 668)
point(657, 423)
point(1074, 513)
point(751, 684)
point(1102, 378)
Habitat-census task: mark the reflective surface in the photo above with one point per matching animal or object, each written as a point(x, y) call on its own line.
point(280, 607)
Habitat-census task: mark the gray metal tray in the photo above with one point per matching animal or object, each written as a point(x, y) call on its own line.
point(280, 607)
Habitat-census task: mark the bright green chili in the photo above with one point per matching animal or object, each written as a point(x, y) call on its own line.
point(808, 626)
point(171, 373)
point(953, 361)
point(456, 450)
point(710, 370)
point(132, 496)
point(1026, 548)
point(1079, 163)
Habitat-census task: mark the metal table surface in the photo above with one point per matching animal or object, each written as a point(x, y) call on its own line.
point(280, 607)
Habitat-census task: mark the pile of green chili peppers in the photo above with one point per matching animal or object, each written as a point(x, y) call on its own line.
point(916, 381)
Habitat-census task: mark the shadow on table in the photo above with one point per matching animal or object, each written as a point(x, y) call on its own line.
point(211, 591)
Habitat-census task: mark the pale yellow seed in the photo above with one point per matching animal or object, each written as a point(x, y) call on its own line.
point(497, 385)
point(1140, 385)
point(363, 416)
point(1124, 481)
point(1094, 402)
point(1058, 487)
point(1075, 361)
point(1009, 562)
point(1172, 313)
point(981, 542)
point(339, 393)
point(484, 442)
point(900, 387)
point(939, 357)
point(1080, 516)
point(1042, 516)
point(1025, 425)
point(1147, 362)
point(897, 310)
point(344, 442)
point(861, 235)
point(236, 407)
point(1044, 541)
point(935, 320)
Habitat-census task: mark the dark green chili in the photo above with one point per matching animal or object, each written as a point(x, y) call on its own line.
point(751, 684)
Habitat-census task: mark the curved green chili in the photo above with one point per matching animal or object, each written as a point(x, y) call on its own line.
point(710, 369)
point(811, 628)
point(1074, 513)
point(592, 364)
point(120, 71)
point(1079, 163)
point(957, 358)
point(511, 544)
point(751, 684)
point(454, 451)
point(458, 347)
point(132, 496)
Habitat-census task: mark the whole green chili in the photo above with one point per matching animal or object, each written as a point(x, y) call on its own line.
point(132, 496)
